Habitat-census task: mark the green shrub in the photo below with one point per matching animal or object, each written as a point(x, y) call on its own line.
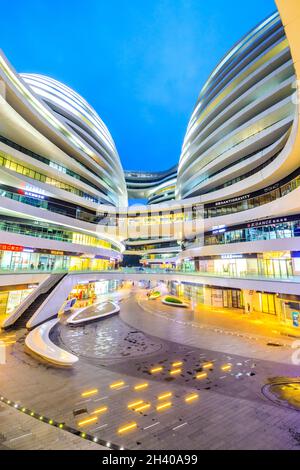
point(173, 300)
point(154, 295)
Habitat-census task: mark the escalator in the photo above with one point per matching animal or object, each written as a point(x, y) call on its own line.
point(32, 305)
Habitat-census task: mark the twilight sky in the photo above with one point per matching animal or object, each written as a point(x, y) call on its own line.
point(140, 63)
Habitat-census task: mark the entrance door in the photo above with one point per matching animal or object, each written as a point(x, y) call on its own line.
point(268, 303)
point(232, 269)
point(236, 299)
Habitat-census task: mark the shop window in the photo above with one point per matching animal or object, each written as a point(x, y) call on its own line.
point(268, 303)
point(3, 302)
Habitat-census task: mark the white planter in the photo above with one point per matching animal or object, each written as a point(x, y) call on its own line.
point(73, 320)
point(183, 305)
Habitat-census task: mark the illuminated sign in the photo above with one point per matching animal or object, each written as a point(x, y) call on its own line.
point(219, 229)
point(231, 201)
point(295, 319)
point(5, 247)
point(260, 223)
point(37, 196)
point(33, 191)
point(18, 248)
point(28, 250)
point(229, 256)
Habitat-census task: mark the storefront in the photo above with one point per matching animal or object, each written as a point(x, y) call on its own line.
point(269, 264)
point(88, 293)
point(208, 295)
point(290, 310)
point(159, 261)
point(188, 265)
point(234, 265)
point(268, 303)
point(15, 257)
point(276, 264)
point(12, 296)
point(262, 229)
point(296, 262)
point(284, 308)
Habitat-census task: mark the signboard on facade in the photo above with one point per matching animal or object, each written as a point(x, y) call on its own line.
point(6, 247)
point(295, 316)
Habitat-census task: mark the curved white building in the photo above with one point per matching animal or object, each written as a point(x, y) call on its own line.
point(59, 174)
point(240, 159)
point(242, 119)
point(86, 127)
point(156, 187)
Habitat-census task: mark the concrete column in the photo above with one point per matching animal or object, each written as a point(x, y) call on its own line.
point(248, 300)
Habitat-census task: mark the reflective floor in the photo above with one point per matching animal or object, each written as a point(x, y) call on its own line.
point(177, 388)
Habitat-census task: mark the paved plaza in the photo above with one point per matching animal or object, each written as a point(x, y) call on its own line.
point(21, 432)
point(174, 382)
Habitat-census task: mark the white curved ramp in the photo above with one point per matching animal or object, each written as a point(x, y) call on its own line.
point(39, 343)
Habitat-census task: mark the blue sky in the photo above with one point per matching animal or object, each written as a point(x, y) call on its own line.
point(139, 63)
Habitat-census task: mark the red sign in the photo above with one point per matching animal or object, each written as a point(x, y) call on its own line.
point(5, 247)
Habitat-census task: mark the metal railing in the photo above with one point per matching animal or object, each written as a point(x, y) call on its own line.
point(242, 275)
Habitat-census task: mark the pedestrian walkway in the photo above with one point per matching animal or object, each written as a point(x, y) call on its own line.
point(253, 325)
point(256, 323)
point(20, 431)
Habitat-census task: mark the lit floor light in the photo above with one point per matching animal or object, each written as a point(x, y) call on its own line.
point(226, 367)
point(143, 407)
point(127, 427)
point(89, 393)
point(155, 370)
point(207, 365)
point(87, 421)
point(201, 375)
point(142, 386)
point(134, 404)
point(164, 395)
point(100, 410)
point(177, 364)
point(175, 371)
point(118, 384)
point(164, 406)
point(192, 397)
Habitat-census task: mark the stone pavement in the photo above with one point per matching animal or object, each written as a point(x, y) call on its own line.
point(230, 330)
point(255, 324)
point(229, 413)
point(19, 431)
